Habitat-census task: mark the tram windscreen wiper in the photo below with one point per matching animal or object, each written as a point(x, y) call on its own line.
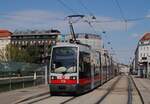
point(64, 73)
point(71, 69)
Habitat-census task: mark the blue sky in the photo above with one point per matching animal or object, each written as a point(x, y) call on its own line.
point(45, 14)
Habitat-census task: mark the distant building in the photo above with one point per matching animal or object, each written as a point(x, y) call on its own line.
point(5, 37)
point(93, 40)
point(41, 39)
point(142, 56)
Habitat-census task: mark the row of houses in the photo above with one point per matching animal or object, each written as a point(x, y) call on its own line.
point(141, 61)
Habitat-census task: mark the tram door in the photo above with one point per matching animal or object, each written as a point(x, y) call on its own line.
point(100, 68)
point(92, 71)
point(92, 77)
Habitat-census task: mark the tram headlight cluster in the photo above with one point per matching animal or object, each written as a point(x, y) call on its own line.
point(53, 77)
point(73, 77)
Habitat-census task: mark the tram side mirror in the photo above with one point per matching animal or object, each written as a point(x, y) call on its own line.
point(53, 66)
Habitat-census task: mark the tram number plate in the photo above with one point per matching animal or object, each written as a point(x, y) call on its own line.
point(63, 81)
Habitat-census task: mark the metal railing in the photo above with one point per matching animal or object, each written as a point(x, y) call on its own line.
point(20, 75)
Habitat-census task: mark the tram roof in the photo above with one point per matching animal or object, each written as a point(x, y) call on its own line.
point(62, 44)
point(81, 46)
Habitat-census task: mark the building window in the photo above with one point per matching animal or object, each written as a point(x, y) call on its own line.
point(16, 42)
point(31, 42)
point(141, 54)
point(46, 41)
point(22, 42)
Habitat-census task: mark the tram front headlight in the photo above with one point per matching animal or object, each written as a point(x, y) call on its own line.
point(53, 77)
point(73, 77)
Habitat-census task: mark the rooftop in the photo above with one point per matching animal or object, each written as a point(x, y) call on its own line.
point(145, 37)
point(36, 32)
point(5, 33)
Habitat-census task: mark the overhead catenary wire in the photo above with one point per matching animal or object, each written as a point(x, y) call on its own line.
point(70, 9)
point(120, 10)
point(92, 16)
point(86, 9)
point(88, 19)
point(67, 7)
point(121, 13)
point(117, 20)
point(89, 23)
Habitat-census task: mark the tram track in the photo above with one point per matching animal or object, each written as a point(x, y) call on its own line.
point(44, 97)
point(40, 99)
point(68, 100)
point(109, 90)
point(122, 87)
point(134, 86)
point(32, 97)
point(73, 98)
point(65, 101)
point(130, 89)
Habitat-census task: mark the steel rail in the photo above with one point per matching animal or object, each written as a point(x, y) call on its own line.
point(130, 89)
point(141, 98)
point(108, 92)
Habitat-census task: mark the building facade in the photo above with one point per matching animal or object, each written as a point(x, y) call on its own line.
point(93, 40)
point(5, 37)
point(37, 40)
point(142, 56)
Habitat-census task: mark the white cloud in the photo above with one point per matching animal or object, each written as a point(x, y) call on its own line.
point(134, 35)
point(36, 19)
point(31, 19)
point(148, 16)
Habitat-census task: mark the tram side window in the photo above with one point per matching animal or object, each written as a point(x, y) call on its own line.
point(84, 65)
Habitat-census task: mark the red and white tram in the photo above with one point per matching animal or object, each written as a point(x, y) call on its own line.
point(76, 68)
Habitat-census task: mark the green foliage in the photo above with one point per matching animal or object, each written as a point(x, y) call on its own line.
point(29, 54)
point(33, 52)
point(14, 53)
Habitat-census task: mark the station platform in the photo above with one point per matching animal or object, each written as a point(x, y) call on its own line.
point(16, 96)
point(143, 85)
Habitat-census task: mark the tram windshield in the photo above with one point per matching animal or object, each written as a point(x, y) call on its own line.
point(64, 60)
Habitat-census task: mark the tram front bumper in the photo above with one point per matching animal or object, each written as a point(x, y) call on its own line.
point(63, 88)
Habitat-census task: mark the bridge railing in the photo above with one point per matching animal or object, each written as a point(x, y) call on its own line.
point(15, 75)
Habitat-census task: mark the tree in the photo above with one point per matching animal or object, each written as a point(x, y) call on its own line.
point(33, 52)
point(13, 53)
